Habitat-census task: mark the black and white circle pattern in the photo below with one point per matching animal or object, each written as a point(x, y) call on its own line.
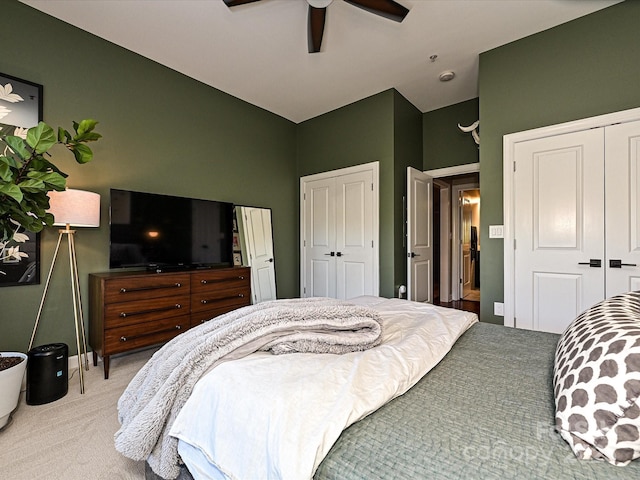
point(597, 381)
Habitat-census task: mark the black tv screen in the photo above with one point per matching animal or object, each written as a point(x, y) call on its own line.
point(166, 232)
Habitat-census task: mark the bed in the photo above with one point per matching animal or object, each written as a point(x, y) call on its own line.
point(485, 411)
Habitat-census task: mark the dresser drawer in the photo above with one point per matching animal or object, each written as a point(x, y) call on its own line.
point(145, 287)
point(207, 300)
point(204, 316)
point(145, 310)
point(130, 337)
point(213, 280)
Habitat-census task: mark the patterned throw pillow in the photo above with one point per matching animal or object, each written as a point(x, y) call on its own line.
point(597, 381)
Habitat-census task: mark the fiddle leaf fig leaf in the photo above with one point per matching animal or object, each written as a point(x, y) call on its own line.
point(10, 161)
point(41, 138)
point(31, 185)
point(18, 146)
point(87, 137)
point(82, 153)
point(5, 172)
point(12, 191)
point(51, 179)
point(48, 219)
point(85, 126)
point(63, 135)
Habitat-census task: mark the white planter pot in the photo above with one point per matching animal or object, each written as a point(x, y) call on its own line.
point(10, 384)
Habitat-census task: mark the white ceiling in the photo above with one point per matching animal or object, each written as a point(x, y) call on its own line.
point(258, 52)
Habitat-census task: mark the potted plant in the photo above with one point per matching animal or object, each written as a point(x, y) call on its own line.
point(12, 367)
point(27, 175)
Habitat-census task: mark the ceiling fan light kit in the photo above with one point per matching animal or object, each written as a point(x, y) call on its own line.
point(319, 3)
point(318, 10)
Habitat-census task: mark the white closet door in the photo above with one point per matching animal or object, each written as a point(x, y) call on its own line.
point(339, 233)
point(354, 234)
point(559, 228)
point(622, 207)
point(320, 238)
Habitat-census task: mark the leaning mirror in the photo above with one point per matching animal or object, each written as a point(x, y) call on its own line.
point(253, 247)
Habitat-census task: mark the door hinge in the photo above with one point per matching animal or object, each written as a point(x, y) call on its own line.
point(514, 243)
point(304, 290)
point(372, 187)
point(304, 196)
point(371, 243)
point(514, 166)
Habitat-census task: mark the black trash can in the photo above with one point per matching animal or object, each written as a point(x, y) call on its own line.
point(47, 373)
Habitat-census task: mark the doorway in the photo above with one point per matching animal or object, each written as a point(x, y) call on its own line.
point(449, 184)
point(470, 257)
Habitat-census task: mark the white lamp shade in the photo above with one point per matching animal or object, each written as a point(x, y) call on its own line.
point(77, 208)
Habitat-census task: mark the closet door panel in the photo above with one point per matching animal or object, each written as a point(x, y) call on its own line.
point(320, 268)
point(622, 187)
point(559, 229)
point(354, 234)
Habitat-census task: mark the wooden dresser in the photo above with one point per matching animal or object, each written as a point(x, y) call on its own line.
point(130, 310)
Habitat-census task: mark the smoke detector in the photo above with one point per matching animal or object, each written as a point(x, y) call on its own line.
point(446, 76)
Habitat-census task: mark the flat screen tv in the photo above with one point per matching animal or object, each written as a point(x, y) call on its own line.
point(162, 232)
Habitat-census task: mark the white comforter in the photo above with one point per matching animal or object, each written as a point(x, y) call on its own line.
point(276, 416)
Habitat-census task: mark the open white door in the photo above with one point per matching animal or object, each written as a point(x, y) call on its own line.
point(419, 236)
point(257, 239)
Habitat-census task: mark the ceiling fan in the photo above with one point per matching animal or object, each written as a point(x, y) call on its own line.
point(318, 10)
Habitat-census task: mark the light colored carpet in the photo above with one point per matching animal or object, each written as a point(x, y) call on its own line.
point(72, 438)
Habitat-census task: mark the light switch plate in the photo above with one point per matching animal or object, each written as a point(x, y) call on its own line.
point(498, 309)
point(496, 231)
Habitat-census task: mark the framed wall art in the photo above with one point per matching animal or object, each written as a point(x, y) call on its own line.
point(20, 109)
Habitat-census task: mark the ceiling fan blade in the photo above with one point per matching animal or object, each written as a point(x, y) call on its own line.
point(316, 27)
point(235, 3)
point(386, 8)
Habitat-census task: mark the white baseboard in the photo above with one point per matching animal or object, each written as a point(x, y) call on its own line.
point(72, 362)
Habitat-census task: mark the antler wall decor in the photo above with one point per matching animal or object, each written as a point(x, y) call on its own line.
point(473, 128)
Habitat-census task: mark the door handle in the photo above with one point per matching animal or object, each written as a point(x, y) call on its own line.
point(338, 254)
point(413, 254)
point(270, 260)
point(593, 263)
point(332, 254)
point(619, 264)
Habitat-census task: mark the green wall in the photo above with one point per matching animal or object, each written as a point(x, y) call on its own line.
point(407, 129)
point(383, 128)
point(579, 69)
point(443, 143)
point(163, 133)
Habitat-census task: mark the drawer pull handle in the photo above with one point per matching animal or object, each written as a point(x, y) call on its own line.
point(220, 280)
point(205, 302)
point(133, 337)
point(153, 310)
point(155, 287)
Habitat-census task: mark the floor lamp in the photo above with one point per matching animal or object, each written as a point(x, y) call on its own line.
point(72, 208)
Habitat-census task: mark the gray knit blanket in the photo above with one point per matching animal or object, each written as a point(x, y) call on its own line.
point(153, 399)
